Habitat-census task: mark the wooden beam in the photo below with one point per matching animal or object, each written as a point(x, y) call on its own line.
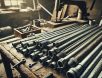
point(7, 66)
point(22, 69)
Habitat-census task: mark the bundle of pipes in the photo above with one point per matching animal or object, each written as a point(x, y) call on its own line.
point(43, 35)
point(70, 50)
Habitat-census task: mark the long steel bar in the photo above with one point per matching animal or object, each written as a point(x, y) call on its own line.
point(60, 48)
point(75, 45)
point(64, 60)
point(90, 68)
point(75, 72)
point(96, 70)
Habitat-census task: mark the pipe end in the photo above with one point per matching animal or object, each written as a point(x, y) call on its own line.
point(61, 62)
point(71, 73)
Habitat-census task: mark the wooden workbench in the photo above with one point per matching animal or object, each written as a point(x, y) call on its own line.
point(11, 56)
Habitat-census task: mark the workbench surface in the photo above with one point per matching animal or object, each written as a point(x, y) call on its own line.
point(37, 71)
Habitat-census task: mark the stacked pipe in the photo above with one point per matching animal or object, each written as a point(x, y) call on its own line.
point(70, 50)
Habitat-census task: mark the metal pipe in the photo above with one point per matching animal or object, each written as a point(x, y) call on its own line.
point(29, 43)
point(96, 70)
point(42, 59)
point(63, 61)
point(46, 44)
point(62, 36)
point(58, 34)
point(26, 44)
point(32, 55)
point(90, 68)
point(80, 56)
point(93, 45)
point(53, 65)
point(74, 45)
point(28, 51)
point(60, 48)
point(40, 35)
point(47, 63)
point(75, 72)
point(58, 43)
point(50, 50)
point(100, 75)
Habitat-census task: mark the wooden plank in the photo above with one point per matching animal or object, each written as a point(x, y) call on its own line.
point(7, 66)
point(20, 56)
point(64, 22)
point(37, 69)
point(59, 14)
point(64, 10)
point(54, 11)
point(45, 70)
point(22, 69)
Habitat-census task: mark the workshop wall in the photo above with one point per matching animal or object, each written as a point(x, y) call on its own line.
point(9, 19)
point(17, 19)
point(96, 12)
point(29, 3)
point(49, 5)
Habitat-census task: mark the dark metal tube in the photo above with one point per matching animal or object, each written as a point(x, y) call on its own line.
point(72, 41)
point(59, 34)
point(60, 37)
point(42, 59)
point(26, 44)
point(47, 63)
point(96, 70)
point(28, 50)
point(46, 44)
point(57, 49)
point(40, 35)
point(75, 72)
point(100, 75)
point(63, 61)
point(53, 65)
point(90, 68)
point(80, 56)
point(34, 56)
point(58, 43)
point(74, 45)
